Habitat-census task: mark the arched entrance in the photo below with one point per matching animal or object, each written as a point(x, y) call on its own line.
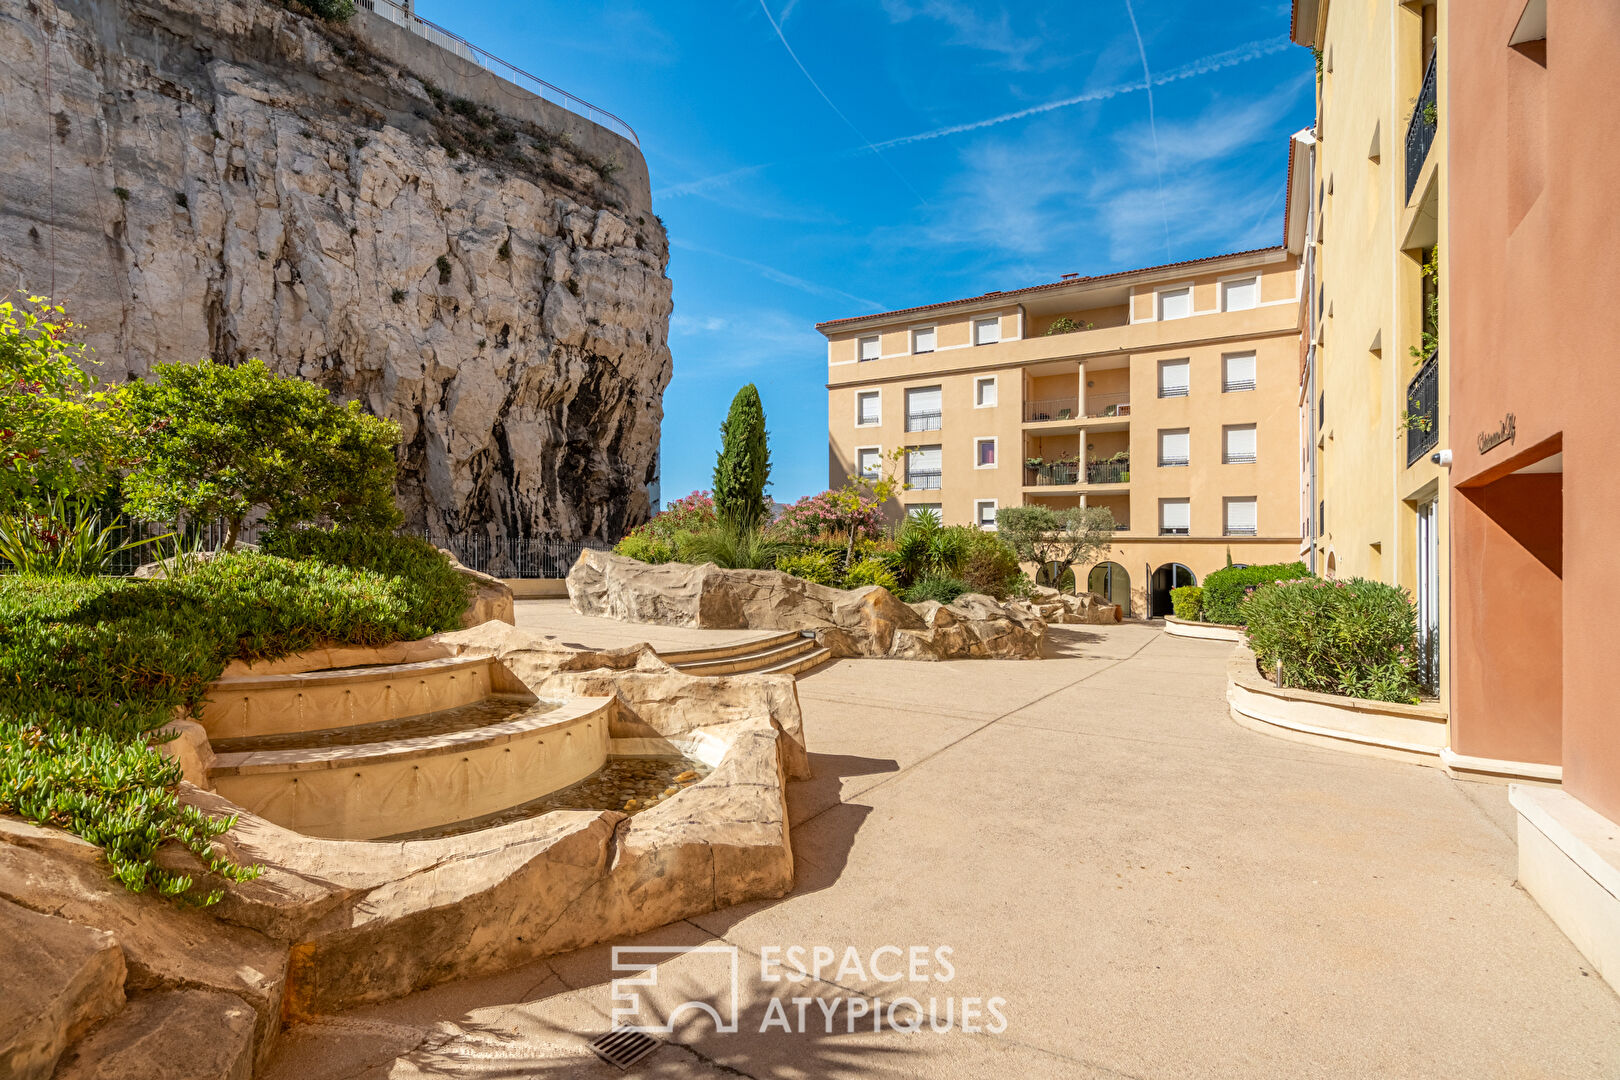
point(1169, 576)
point(1110, 580)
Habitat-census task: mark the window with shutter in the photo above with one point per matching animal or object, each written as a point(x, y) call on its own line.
point(984, 513)
point(924, 407)
point(923, 467)
point(922, 340)
point(984, 392)
point(1174, 378)
point(1239, 444)
point(1174, 447)
point(1175, 303)
point(1175, 517)
point(870, 348)
point(1240, 295)
point(987, 331)
point(869, 462)
point(1242, 517)
point(868, 407)
point(925, 508)
point(1237, 372)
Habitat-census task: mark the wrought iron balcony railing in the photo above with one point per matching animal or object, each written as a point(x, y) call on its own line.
point(924, 479)
point(1055, 475)
point(1423, 409)
point(1108, 472)
point(1420, 129)
point(923, 421)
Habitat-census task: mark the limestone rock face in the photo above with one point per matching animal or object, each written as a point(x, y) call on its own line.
point(491, 599)
point(850, 622)
point(168, 1035)
point(362, 209)
point(56, 979)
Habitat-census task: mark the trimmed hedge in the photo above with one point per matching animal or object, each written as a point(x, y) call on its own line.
point(1224, 590)
point(435, 590)
point(1188, 602)
point(1356, 638)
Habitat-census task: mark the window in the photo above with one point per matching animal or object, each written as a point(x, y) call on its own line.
point(1242, 517)
point(925, 508)
point(1238, 444)
point(987, 331)
point(984, 453)
point(1175, 303)
point(1237, 372)
point(1175, 517)
point(984, 513)
point(869, 462)
point(870, 349)
point(1240, 295)
point(1174, 447)
point(868, 408)
point(984, 392)
point(923, 409)
point(1174, 376)
point(922, 339)
point(923, 468)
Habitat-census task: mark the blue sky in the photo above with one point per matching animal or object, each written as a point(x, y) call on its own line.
point(816, 159)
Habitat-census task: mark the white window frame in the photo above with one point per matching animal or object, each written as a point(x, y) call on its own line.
point(1226, 445)
point(859, 450)
point(978, 517)
point(1226, 515)
point(936, 507)
point(928, 328)
point(1238, 279)
point(917, 448)
point(1164, 464)
point(994, 319)
point(978, 398)
point(1227, 386)
point(1158, 301)
point(1184, 360)
point(876, 339)
point(1166, 502)
point(862, 393)
point(995, 446)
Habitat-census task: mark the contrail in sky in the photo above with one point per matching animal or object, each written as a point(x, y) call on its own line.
point(1153, 125)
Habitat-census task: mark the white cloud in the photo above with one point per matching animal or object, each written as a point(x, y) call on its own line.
point(970, 29)
point(751, 341)
point(781, 277)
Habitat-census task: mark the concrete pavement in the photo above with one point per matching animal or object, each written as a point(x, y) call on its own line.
point(1150, 890)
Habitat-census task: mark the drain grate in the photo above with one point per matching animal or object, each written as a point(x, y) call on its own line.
point(624, 1046)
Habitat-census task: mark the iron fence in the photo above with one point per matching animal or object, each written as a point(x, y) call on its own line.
point(1108, 472)
point(515, 556)
point(1420, 129)
point(1423, 409)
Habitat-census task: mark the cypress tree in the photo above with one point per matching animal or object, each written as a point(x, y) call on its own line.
point(743, 466)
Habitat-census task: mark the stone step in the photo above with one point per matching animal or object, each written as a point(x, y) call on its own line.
point(799, 664)
point(757, 660)
point(679, 657)
point(495, 709)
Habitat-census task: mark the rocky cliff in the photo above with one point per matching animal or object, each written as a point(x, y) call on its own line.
point(360, 207)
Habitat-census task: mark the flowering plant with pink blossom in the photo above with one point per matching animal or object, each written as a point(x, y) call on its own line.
point(830, 515)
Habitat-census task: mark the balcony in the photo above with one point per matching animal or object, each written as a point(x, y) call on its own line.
point(924, 421)
point(1101, 406)
point(1048, 409)
point(924, 479)
point(1420, 129)
point(1108, 472)
point(1058, 474)
point(1423, 410)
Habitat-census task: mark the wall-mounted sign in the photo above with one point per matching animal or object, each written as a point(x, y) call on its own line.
point(1505, 432)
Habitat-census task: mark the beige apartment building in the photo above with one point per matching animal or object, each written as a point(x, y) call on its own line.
point(1172, 401)
point(1370, 187)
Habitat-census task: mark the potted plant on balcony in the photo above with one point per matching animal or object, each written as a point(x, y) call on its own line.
point(1122, 462)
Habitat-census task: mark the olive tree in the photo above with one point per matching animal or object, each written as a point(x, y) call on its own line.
point(216, 442)
point(1054, 539)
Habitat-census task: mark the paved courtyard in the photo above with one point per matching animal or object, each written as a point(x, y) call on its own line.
point(1152, 891)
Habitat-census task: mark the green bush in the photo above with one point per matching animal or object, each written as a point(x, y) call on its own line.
point(1224, 590)
point(434, 589)
point(91, 667)
point(870, 571)
point(991, 565)
point(331, 10)
point(61, 537)
point(1356, 638)
point(730, 548)
point(645, 547)
point(1188, 602)
point(943, 589)
point(821, 567)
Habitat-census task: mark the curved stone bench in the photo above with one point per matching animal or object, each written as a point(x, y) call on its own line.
point(1209, 631)
point(1389, 729)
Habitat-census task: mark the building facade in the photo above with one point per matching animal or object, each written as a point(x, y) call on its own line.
point(1167, 395)
point(1373, 377)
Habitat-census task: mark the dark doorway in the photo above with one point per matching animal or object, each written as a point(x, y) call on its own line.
point(1167, 577)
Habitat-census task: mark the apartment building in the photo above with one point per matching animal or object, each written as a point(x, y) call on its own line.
point(1167, 395)
point(1371, 192)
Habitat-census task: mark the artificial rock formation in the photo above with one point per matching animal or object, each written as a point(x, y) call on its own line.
point(1060, 609)
point(869, 621)
point(358, 207)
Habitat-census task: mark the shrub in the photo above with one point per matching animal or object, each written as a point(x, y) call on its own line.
point(943, 589)
point(91, 667)
point(991, 565)
point(820, 567)
point(1188, 602)
point(433, 588)
point(61, 538)
point(831, 513)
point(645, 547)
point(742, 468)
point(215, 441)
point(729, 547)
point(870, 571)
point(1224, 590)
point(1357, 638)
point(331, 10)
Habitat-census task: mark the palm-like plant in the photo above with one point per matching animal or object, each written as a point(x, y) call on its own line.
point(732, 548)
point(64, 539)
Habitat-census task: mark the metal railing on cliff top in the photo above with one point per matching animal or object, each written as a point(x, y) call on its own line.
point(402, 15)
